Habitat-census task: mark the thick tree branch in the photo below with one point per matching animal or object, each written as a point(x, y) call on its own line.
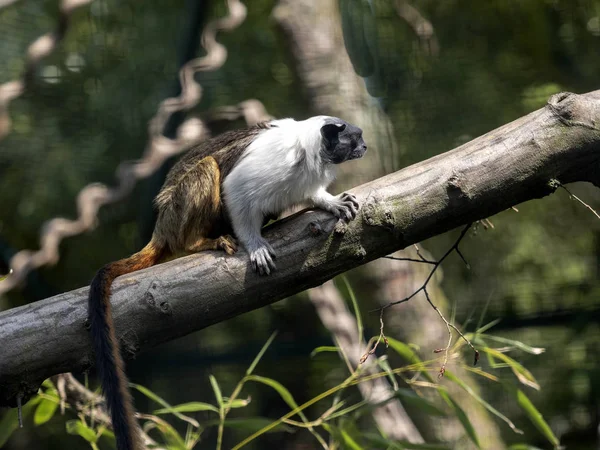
point(507, 166)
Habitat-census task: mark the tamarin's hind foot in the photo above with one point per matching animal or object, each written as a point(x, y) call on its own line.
point(228, 244)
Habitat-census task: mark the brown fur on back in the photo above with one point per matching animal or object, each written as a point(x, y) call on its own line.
point(190, 208)
point(190, 218)
point(189, 203)
point(226, 148)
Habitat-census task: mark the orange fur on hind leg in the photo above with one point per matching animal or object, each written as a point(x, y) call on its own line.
point(226, 243)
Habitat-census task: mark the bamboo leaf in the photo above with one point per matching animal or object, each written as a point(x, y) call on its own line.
point(517, 344)
point(407, 353)
point(410, 397)
point(385, 366)
point(322, 349)
point(79, 428)
point(383, 443)
point(461, 415)
point(357, 314)
point(522, 374)
point(187, 407)
point(450, 376)
point(217, 391)
point(237, 403)
point(532, 414)
point(152, 396)
point(523, 447)
point(10, 419)
point(349, 441)
point(281, 389)
point(174, 440)
point(45, 411)
point(261, 353)
point(251, 424)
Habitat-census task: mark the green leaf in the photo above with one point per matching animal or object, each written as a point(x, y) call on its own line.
point(152, 396)
point(410, 397)
point(522, 374)
point(237, 403)
point(523, 447)
point(342, 436)
point(450, 376)
point(174, 440)
point(187, 407)
point(252, 424)
point(10, 420)
point(322, 349)
point(408, 354)
point(45, 410)
point(8, 424)
point(384, 443)
point(48, 384)
point(217, 390)
point(281, 389)
point(261, 353)
point(337, 412)
point(487, 326)
point(357, 314)
point(105, 432)
point(461, 415)
point(350, 443)
point(385, 366)
point(517, 344)
point(78, 428)
point(532, 413)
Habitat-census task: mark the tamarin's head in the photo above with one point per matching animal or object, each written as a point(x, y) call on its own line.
point(342, 141)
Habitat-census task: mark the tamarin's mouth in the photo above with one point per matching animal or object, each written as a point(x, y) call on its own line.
point(358, 153)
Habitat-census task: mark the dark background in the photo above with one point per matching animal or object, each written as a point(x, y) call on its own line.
point(88, 108)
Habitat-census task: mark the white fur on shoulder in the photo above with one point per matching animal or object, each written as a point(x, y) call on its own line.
point(280, 168)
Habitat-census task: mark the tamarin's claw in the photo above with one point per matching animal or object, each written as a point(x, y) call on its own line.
point(346, 207)
point(262, 259)
point(228, 244)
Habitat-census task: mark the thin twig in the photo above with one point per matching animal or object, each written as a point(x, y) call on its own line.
point(20, 409)
point(435, 267)
point(423, 288)
point(381, 337)
point(418, 250)
point(426, 261)
point(449, 326)
point(573, 196)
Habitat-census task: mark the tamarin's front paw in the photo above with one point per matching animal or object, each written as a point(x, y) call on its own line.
point(228, 244)
point(262, 259)
point(346, 207)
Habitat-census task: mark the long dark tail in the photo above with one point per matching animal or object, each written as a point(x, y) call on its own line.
point(109, 362)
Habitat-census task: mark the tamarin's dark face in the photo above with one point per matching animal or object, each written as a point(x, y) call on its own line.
point(342, 141)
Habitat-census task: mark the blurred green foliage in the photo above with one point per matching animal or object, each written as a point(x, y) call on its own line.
point(537, 270)
point(339, 425)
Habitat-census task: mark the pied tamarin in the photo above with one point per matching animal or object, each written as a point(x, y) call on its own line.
point(226, 185)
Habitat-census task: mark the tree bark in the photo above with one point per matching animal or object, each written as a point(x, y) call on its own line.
point(507, 166)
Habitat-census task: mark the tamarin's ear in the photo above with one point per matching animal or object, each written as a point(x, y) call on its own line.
point(330, 132)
